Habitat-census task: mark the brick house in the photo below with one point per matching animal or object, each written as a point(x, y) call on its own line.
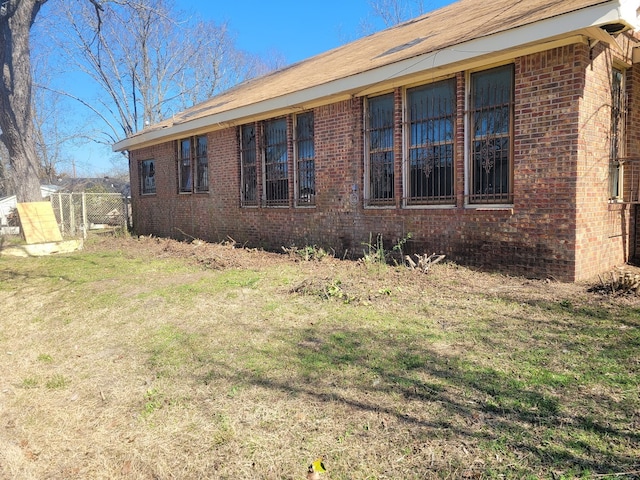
point(503, 134)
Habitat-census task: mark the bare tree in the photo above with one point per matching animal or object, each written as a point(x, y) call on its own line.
point(52, 134)
point(54, 131)
point(5, 187)
point(16, 114)
point(148, 60)
point(393, 12)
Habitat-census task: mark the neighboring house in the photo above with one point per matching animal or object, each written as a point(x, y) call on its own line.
point(503, 134)
point(94, 185)
point(8, 205)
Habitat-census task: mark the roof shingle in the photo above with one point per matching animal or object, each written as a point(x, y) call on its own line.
point(455, 24)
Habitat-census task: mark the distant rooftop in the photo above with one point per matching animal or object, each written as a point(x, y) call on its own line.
point(98, 185)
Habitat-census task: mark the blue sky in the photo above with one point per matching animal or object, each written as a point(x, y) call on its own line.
point(295, 30)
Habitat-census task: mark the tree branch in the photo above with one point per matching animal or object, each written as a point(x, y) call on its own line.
point(99, 8)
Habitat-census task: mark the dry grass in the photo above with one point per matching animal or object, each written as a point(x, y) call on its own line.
point(153, 359)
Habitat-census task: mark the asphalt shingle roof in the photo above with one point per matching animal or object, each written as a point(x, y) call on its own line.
point(450, 26)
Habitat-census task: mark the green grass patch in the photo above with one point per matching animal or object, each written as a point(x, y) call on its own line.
point(255, 371)
point(171, 349)
point(30, 382)
point(45, 358)
point(57, 382)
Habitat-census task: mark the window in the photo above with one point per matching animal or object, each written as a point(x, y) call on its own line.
point(192, 154)
point(184, 165)
point(380, 160)
point(276, 162)
point(305, 160)
point(617, 133)
point(431, 130)
point(202, 165)
point(265, 178)
point(491, 136)
point(248, 165)
point(148, 177)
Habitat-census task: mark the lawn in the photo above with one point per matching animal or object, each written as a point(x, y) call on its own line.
point(144, 358)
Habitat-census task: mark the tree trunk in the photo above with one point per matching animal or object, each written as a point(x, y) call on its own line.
point(16, 116)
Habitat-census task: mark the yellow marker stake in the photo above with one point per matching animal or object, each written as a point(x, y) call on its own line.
point(318, 466)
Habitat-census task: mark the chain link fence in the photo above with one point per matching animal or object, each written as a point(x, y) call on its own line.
point(78, 213)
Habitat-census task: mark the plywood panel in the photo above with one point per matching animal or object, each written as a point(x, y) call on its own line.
point(38, 222)
point(41, 249)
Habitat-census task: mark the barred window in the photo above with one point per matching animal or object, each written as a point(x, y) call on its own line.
point(431, 130)
point(148, 177)
point(248, 166)
point(305, 159)
point(202, 165)
point(184, 165)
point(192, 154)
point(491, 136)
point(276, 162)
point(617, 133)
point(380, 158)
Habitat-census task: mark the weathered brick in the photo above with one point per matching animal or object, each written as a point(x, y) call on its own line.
point(561, 224)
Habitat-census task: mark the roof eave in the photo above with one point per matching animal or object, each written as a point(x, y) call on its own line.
point(551, 32)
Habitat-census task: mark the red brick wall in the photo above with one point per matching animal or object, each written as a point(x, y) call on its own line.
point(548, 90)
point(603, 227)
point(560, 226)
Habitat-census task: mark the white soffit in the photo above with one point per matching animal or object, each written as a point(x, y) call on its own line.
point(546, 33)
